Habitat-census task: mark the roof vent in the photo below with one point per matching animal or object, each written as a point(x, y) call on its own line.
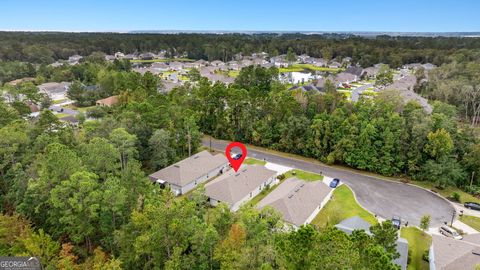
point(195, 157)
point(296, 190)
point(237, 174)
point(476, 252)
point(244, 170)
point(290, 196)
point(303, 184)
point(176, 166)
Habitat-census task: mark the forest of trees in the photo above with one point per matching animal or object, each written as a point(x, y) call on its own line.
point(46, 47)
point(79, 197)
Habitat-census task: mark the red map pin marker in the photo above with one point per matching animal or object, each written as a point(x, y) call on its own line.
point(237, 160)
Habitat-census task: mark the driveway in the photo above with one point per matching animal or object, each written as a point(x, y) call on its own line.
point(66, 110)
point(384, 198)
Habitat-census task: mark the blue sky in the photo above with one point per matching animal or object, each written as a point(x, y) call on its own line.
point(245, 15)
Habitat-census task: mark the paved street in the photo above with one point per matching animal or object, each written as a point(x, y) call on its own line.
point(384, 198)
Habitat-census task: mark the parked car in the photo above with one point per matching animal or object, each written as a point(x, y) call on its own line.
point(472, 205)
point(450, 232)
point(397, 222)
point(236, 156)
point(334, 183)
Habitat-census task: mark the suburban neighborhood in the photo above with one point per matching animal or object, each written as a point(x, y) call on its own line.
point(214, 135)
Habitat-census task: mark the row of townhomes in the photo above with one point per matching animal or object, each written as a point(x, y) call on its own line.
point(298, 201)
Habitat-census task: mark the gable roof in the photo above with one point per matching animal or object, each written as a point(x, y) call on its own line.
point(109, 101)
point(231, 187)
point(354, 223)
point(454, 254)
point(296, 199)
point(189, 169)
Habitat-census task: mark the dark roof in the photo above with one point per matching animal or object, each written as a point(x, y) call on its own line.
point(354, 70)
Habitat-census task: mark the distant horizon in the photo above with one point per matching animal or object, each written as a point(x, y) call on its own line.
point(409, 16)
point(174, 31)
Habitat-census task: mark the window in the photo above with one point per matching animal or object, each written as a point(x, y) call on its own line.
point(250, 194)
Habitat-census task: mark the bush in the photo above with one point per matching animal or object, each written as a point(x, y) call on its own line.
point(281, 177)
point(474, 190)
point(425, 256)
point(456, 196)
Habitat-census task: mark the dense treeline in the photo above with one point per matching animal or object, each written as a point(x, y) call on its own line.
point(47, 47)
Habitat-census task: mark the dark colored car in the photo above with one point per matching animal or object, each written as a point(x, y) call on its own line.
point(396, 221)
point(334, 183)
point(237, 156)
point(472, 205)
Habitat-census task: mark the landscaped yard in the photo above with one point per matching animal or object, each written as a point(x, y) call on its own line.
point(254, 161)
point(302, 67)
point(307, 176)
point(471, 221)
point(418, 243)
point(342, 206)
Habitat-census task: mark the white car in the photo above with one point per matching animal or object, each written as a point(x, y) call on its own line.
point(450, 232)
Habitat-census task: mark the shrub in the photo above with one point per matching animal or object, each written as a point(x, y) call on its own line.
point(425, 256)
point(456, 196)
point(281, 177)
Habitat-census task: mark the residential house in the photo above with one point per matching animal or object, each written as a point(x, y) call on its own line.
point(355, 70)
point(279, 61)
point(108, 102)
point(70, 119)
point(217, 63)
point(176, 65)
point(334, 64)
point(298, 201)
point(130, 56)
point(110, 57)
point(119, 55)
point(319, 62)
point(200, 63)
point(74, 59)
point(22, 80)
point(450, 254)
point(234, 65)
point(405, 86)
point(345, 78)
point(54, 90)
point(357, 223)
point(370, 72)
point(159, 66)
point(236, 188)
point(147, 56)
point(167, 86)
point(185, 175)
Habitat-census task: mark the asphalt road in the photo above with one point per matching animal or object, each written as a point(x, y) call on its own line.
point(382, 197)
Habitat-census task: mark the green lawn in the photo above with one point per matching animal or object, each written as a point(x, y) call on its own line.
point(233, 73)
point(59, 101)
point(302, 67)
point(471, 221)
point(307, 176)
point(162, 60)
point(264, 193)
point(254, 161)
point(418, 243)
point(342, 206)
point(448, 191)
point(60, 115)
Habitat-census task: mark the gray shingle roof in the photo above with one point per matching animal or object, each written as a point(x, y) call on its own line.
point(232, 186)
point(296, 199)
point(402, 249)
point(189, 169)
point(354, 223)
point(451, 254)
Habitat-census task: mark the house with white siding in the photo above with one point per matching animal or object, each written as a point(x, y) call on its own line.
point(185, 175)
point(237, 188)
